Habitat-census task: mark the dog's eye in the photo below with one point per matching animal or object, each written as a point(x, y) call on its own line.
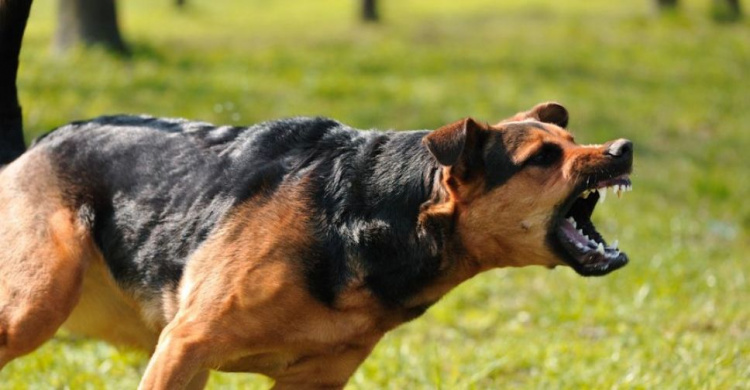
point(547, 155)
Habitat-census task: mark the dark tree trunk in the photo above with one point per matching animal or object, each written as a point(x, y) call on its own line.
point(13, 16)
point(370, 11)
point(727, 10)
point(88, 22)
point(666, 4)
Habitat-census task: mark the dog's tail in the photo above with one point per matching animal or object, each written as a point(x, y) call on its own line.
point(13, 17)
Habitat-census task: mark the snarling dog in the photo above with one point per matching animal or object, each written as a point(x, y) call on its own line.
point(287, 248)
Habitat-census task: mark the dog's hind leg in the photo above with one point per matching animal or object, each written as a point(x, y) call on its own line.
point(44, 251)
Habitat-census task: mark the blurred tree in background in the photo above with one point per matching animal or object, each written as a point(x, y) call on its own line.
point(11, 122)
point(722, 10)
point(94, 22)
point(666, 4)
point(370, 11)
point(727, 10)
point(88, 22)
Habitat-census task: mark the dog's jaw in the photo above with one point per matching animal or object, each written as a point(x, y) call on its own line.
point(575, 237)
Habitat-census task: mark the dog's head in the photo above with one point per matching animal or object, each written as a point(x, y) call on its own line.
point(522, 191)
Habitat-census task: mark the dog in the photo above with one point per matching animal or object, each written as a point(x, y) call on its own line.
point(287, 248)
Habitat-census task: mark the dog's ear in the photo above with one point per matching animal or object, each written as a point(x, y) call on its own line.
point(453, 142)
point(549, 112)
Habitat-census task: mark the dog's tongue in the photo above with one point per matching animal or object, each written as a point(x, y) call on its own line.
point(570, 231)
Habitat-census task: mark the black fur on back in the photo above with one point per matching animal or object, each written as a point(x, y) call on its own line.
point(158, 187)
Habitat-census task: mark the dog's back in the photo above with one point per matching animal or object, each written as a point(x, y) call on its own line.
point(153, 189)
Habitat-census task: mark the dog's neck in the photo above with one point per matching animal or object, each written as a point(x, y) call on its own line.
point(420, 256)
point(438, 216)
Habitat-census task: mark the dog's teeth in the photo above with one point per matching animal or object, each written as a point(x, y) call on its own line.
point(615, 243)
point(602, 194)
point(600, 248)
point(572, 222)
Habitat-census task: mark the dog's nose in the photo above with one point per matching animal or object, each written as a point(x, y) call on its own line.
point(622, 148)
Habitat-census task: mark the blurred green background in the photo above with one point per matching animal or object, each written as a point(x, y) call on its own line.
point(678, 85)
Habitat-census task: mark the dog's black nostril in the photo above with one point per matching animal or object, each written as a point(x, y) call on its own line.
point(620, 148)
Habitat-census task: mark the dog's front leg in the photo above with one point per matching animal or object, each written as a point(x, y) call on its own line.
point(180, 360)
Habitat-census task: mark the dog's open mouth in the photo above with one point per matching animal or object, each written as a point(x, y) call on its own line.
point(585, 249)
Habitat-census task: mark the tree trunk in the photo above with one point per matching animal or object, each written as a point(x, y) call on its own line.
point(88, 22)
point(727, 10)
point(370, 11)
point(666, 4)
point(13, 16)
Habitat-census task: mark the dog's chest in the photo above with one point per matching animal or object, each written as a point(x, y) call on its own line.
point(314, 336)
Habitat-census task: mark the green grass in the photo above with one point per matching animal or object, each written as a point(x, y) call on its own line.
point(677, 317)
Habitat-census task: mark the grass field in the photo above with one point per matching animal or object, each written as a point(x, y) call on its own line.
point(677, 317)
